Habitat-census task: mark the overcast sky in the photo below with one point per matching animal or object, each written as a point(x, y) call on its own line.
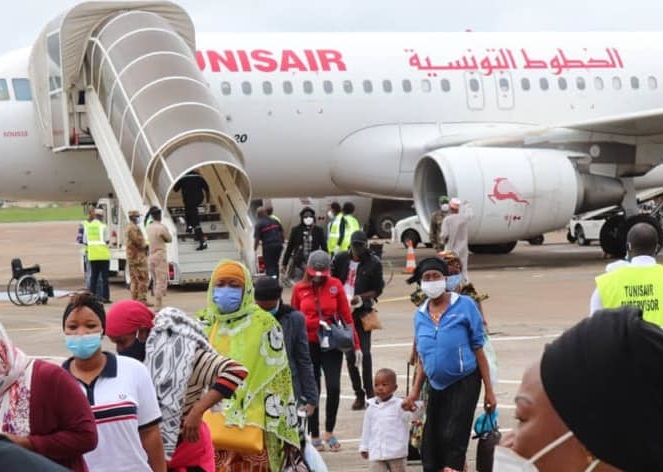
point(21, 21)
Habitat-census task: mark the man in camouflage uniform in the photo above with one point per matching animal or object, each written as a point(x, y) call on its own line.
point(436, 223)
point(158, 236)
point(136, 248)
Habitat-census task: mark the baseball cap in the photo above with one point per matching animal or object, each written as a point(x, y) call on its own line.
point(318, 264)
point(358, 237)
point(267, 288)
point(443, 199)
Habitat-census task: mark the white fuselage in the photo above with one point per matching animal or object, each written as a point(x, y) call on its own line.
point(332, 114)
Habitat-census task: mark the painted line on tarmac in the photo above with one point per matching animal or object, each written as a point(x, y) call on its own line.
point(39, 328)
point(494, 339)
point(357, 440)
point(395, 299)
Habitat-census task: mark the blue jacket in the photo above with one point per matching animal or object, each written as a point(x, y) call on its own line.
point(447, 350)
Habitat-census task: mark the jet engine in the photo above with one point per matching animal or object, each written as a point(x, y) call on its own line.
point(512, 194)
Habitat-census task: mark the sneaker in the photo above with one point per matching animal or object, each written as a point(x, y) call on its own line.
point(202, 246)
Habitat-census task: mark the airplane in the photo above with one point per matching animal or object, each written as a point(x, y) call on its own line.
point(528, 128)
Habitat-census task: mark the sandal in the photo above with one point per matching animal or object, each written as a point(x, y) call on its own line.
point(333, 443)
point(318, 444)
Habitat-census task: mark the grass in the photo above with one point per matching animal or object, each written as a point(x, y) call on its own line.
point(20, 215)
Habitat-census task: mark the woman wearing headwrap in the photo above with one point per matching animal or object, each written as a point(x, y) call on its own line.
point(242, 331)
point(42, 409)
point(449, 338)
point(118, 388)
point(190, 377)
point(594, 398)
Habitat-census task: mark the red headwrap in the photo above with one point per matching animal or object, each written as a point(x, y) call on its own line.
point(128, 316)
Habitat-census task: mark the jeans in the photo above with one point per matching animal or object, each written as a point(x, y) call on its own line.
point(366, 363)
point(99, 270)
point(330, 362)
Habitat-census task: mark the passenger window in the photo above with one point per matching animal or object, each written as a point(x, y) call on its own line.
point(327, 86)
point(287, 87)
point(407, 86)
point(386, 86)
point(446, 86)
point(561, 82)
point(267, 88)
point(524, 84)
point(635, 83)
point(474, 85)
point(598, 83)
point(368, 86)
point(504, 85)
point(616, 83)
point(347, 86)
point(580, 83)
point(22, 89)
point(543, 83)
point(308, 87)
point(4, 91)
point(425, 85)
point(652, 83)
point(226, 89)
point(246, 88)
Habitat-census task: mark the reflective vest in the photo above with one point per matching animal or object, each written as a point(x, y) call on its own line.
point(334, 233)
point(633, 285)
point(97, 249)
point(351, 225)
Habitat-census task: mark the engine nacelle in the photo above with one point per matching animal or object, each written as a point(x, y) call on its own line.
point(513, 193)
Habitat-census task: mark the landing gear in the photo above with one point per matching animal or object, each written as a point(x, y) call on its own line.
point(614, 230)
point(503, 248)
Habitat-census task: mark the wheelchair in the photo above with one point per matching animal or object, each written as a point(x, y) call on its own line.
point(24, 288)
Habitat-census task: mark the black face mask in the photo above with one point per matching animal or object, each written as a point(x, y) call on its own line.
point(136, 350)
point(358, 249)
point(318, 280)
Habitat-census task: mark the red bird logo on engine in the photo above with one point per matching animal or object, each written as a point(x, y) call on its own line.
point(504, 190)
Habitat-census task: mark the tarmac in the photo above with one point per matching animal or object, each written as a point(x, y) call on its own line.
point(536, 292)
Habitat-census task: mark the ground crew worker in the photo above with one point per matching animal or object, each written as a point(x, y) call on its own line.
point(436, 222)
point(98, 255)
point(158, 236)
point(270, 232)
point(332, 232)
point(270, 212)
point(194, 188)
point(80, 239)
point(136, 248)
point(341, 229)
point(639, 283)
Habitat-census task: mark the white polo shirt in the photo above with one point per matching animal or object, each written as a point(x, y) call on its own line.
point(386, 430)
point(123, 401)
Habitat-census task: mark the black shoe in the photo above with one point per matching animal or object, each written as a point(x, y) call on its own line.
point(202, 246)
point(189, 229)
point(107, 301)
point(360, 403)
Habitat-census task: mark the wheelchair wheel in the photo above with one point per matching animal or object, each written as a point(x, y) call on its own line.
point(27, 290)
point(11, 291)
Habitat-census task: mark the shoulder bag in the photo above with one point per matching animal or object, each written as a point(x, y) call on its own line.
point(370, 320)
point(338, 334)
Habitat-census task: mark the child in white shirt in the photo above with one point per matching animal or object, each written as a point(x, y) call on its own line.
point(386, 430)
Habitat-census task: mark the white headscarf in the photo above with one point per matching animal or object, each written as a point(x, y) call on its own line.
point(15, 380)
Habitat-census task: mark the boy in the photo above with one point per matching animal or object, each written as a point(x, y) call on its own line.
point(386, 430)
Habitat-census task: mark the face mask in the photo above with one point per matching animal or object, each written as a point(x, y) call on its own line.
point(227, 299)
point(330, 214)
point(358, 249)
point(83, 346)
point(506, 460)
point(444, 207)
point(308, 221)
point(275, 310)
point(453, 281)
point(136, 350)
point(318, 279)
point(434, 288)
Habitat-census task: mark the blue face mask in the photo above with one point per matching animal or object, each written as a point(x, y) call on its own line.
point(275, 310)
point(453, 281)
point(227, 299)
point(83, 346)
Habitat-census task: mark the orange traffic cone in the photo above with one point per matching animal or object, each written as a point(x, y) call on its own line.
point(410, 260)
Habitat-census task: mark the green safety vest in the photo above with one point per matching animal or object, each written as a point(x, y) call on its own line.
point(351, 225)
point(97, 249)
point(334, 233)
point(633, 285)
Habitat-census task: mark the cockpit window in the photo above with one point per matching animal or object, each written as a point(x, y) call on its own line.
point(22, 89)
point(4, 91)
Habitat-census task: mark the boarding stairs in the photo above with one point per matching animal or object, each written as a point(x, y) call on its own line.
point(123, 77)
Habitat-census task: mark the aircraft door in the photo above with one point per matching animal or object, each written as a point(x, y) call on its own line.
point(474, 89)
point(504, 86)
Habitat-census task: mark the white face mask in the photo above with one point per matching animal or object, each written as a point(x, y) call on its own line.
point(444, 207)
point(330, 214)
point(434, 288)
point(308, 221)
point(506, 460)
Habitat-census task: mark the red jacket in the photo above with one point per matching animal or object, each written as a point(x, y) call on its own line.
point(62, 426)
point(332, 300)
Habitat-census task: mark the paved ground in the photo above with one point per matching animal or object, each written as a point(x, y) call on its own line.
point(535, 293)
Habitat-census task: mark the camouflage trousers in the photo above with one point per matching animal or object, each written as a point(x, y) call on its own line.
point(139, 278)
point(158, 266)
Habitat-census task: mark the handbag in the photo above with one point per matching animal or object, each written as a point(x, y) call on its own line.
point(370, 320)
point(489, 437)
point(338, 335)
point(245, 440)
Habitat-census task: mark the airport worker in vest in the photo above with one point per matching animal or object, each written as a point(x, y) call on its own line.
point(342, 228)
point(639, 283)
point(98, 255)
